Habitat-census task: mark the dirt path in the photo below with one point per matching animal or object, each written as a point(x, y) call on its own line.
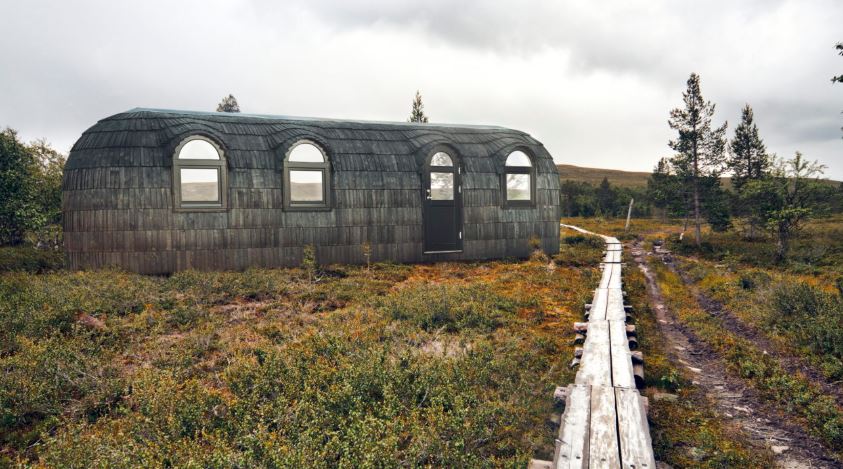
point(736, 326)
point(738, 403)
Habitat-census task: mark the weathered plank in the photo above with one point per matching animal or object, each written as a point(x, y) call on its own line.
point(596, 365)
point(599, 305)
point(622, 375)
point(603, 436)
point(612, 256)
point(614, 305)
point(636, 448)
point(572, 444)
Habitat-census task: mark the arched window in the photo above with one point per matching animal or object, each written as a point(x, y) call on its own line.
point(199, 175)
point(307, 177)
point(518, 180)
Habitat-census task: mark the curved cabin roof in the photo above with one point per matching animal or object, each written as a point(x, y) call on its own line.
point(121, 201)
point(147, 137)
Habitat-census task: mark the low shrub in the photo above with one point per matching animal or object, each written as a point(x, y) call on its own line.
point(810, 315)
point(754, 278)
point(50, 378)
point(449, 307)
point(30, 259)
point(587, 240)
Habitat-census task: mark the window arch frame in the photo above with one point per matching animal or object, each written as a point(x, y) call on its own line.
point(219, 164)
point(325, 166)
point(529, 170)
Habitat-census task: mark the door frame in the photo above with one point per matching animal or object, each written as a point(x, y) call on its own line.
point(458, 172)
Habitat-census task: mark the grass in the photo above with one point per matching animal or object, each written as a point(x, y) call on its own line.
point(801, 399)
point(449, 364)
point(686, 432)
point(29, 259)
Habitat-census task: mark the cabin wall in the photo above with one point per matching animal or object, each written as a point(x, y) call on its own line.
point(118, 201)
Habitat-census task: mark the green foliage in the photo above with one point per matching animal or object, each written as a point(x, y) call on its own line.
point(450, 308)
point(789, 197)
point(19, 211)
point(30, 259)
point(308, 261)
point(700, 148)
point(811, 316)
point(794, 392)
point(228, 104)
point(417, 115)
point(748, 159)
point(753, 279)
point(42, 377)
point(30, 187)
point(582, 199)
point(579, 250)
point(433, 365)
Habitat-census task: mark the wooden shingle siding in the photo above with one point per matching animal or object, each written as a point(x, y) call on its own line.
point(119, 206)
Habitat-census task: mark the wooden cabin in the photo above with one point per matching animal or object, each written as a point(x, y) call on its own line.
point(158, 191)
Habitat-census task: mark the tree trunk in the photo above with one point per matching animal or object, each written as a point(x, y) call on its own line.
point(783, 244)
point(697, 223)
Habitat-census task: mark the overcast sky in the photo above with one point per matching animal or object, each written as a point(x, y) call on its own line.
point(592, 80)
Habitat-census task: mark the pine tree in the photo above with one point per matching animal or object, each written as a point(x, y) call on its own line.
point(605, 198)
point(748, 157)
point(700, 148)
point(666, 191)
point(417, 114)
point(838, 78)
point(228, 104)
point(748, 160)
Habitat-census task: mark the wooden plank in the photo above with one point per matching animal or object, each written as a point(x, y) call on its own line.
point(614, 305)
point(574, 430)
point(611, 276)
point(636, 447)
point(612, 256)
point(603, 437)
point(599, 305)
point(615, 277)
point(622, 374)
point(595, 367)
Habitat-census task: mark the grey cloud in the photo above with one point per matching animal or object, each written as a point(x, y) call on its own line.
point(570, 72)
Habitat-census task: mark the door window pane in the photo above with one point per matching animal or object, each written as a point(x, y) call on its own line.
point(198, 150)
point(200, 185)
point(442, 186)
point(518, 158)
point(441, 159)
point(305, 185)
point(518, 187)
point(306, 153)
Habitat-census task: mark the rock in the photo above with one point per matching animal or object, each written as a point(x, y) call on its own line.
point(91, 322)
point(665, 396)
point(779, 449)
point(540, 464)
point(663, 465)
point(559, 395)
point(696, 454)
point(745, 410)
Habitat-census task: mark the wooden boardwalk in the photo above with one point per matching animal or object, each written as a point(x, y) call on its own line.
point(605, 420)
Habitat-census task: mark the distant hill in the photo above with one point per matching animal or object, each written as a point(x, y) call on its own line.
point(595, 175)
point(620, 178)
